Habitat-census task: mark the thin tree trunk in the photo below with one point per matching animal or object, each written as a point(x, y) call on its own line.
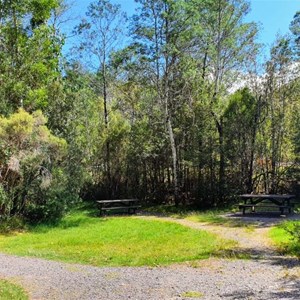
point(107, 145)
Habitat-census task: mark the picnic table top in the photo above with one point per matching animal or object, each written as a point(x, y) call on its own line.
point(268, 196)
point(117, 200)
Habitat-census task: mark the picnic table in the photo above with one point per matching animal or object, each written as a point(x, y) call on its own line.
point(251, 201)
point(126, 205)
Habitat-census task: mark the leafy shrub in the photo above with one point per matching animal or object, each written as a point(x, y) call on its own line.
point(51, 208)
point(29, 159)
point(8, 224)
point(293, 229)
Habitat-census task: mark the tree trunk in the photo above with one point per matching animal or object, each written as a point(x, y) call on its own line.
point(107, 144)
point(222, 161)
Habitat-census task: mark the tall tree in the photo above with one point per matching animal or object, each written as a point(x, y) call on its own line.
point(295, 29)
point(228, 43)
point(29, 54)
point(161, 29)
point(102, 32)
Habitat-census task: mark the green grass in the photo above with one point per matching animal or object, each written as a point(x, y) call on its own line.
point(284, 241)
point(114, 241)
point(11, 291)
point(192, 294)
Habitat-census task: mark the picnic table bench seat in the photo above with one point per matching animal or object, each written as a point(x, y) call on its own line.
point(129, 206)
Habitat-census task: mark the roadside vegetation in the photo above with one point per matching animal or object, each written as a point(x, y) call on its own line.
point(11, 291)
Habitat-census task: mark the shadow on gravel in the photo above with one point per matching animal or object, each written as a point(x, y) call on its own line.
point(267, 256)
point(293, 295)
point(260, 219)
point(290, 290)
point(286, 262)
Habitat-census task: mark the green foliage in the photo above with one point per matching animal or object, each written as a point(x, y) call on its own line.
point(29, 54)
point(295, 29)
point(125, 241)
point(155, 119)
point(293, 228)
point(11, 224)
point(287, 237)
point(29, 154)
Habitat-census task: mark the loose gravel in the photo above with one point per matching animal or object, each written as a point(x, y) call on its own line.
point(265, 276)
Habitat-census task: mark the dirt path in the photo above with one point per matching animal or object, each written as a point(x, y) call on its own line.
point(252, 238)
point(265, 276)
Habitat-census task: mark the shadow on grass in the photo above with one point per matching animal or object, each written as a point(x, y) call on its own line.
point(84, 215)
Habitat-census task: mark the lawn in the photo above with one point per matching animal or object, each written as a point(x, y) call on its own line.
point(114, 241)
point(11, 291)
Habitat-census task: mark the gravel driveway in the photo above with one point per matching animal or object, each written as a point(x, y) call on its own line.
point(265, 276)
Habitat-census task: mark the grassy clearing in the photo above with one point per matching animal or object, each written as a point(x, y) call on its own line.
point(285, 242)
point(11, 291)
point(115, 241)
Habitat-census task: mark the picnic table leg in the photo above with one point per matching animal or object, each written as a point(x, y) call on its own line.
point(289, 206)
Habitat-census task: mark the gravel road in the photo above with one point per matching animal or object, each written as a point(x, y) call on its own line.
point(266, 276)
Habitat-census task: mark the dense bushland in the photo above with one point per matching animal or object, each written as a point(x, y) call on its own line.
point(182, 113)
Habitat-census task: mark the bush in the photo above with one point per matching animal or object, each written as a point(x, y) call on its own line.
point(32, 184)
point(293, 246)
point(51, 208)
point(8, 224)
point(293, 228)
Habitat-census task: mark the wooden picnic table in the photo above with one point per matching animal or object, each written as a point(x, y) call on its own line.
point(251, 201)
point(126, 205)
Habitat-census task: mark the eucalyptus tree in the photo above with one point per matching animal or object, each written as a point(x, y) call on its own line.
point(29, 54)
point(160, 30)
point(295, 29)
point(101, 34)
point(226, 45)
point(276, 135)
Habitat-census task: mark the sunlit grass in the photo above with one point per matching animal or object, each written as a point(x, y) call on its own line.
point(114, 241)
point(192, 294)
point(11, 291)
point(283, 240)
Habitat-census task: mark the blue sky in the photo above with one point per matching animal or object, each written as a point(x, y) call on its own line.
point(274, 16)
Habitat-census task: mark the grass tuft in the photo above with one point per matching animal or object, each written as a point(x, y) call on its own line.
point(11, 291)
point(192, 294)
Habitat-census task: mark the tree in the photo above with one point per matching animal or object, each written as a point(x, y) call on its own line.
point(228, 44)
point(159, 29)
point(29, 54)
point(101, 32)
point(276, 133)
point(295, 29)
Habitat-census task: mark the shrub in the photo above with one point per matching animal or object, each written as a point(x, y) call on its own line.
point(29, 158)
point(293, 246)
